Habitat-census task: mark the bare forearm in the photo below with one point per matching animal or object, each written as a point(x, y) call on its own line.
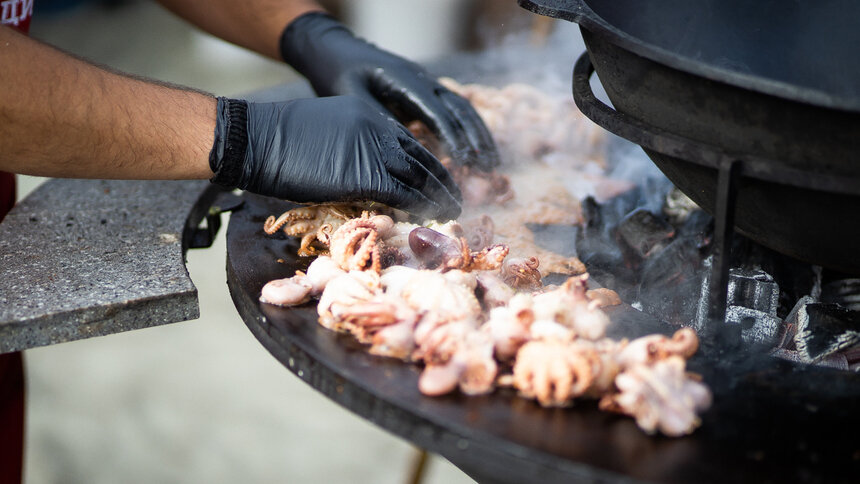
point(254, 24)
point(63, 117)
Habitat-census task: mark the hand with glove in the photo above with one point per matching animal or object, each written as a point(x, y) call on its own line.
point(334, 149)
point(337, 63)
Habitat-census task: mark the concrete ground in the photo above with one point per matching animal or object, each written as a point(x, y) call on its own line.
point(198, 401)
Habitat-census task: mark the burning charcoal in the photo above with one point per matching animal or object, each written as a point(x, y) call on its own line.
point(790, 330)
point(701, 323)
point(670, 282)
point(753, 289)
point(726, 336)
point(644, 232)
point(604, 261)
point(852, 355)
point(837, 361)
point(756, 327)
point(699, 225)
point(649, 196)
point(607, 267)
point(824, 329)
point(796, 278)
point(752, 302)
point(801, 303)
point(614, 209)
point(845, 292)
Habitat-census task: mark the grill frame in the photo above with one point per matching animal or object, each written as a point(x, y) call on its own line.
point(772, 420)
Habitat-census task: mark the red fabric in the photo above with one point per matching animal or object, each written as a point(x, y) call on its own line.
point(7, 193)
point(11, 417)
point(11, 381)
point(16, 14)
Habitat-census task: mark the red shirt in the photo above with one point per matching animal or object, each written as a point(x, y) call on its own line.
point(7, 193)
point(15, 14)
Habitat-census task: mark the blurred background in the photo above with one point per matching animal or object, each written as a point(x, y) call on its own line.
point(203, 401)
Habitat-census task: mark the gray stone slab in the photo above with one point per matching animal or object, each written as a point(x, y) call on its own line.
point(83, 258)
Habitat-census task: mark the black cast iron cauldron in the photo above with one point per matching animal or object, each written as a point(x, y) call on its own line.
point(773, 84)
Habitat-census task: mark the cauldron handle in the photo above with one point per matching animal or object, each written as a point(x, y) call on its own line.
point(729, 169)
point(692, 151)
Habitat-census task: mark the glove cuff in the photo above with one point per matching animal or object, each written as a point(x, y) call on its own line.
point(227, 157)
point(296, 39)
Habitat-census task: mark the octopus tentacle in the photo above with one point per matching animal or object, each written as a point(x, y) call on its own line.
point(306, 249)
point(271, 225)
point(490, 258)
point(522, 273)
point(355, 245)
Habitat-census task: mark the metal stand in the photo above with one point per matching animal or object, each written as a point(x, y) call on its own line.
point(724, 220)
point(419, 467)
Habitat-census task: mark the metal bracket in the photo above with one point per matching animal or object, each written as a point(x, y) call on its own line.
point(724, 221)
point(203, 235)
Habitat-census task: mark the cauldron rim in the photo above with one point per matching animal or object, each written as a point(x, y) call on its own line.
point(581, 12)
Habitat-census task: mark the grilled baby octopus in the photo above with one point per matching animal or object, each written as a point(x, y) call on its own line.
point(436, 250)
point(522, 273)
point(356, 245)
point(308, 222)
point(661, 396)
point(554, 371)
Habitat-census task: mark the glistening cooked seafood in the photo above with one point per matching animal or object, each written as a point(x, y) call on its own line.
point(466, 300)
point(310, 223)
point(552, 339)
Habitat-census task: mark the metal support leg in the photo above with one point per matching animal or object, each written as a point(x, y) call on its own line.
point(724, 222)
point(419, 467)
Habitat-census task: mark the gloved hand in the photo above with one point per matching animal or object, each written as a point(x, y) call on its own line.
point(334, 149)
point(336, 62)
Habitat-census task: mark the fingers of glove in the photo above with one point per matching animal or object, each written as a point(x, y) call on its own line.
point(410, 173)
point(442, 122)
point(417, 98)
point(368, 97)
point(451, 117)
point(483, 148)
point(414, 148)
point(414, 201)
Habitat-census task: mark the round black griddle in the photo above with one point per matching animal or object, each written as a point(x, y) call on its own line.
point(771, 421)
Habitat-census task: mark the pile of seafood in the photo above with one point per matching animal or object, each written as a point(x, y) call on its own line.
point(468, 303)
point(477, 319)
point(529, 123)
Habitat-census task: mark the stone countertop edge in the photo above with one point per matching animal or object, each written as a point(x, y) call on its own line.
point(85, 258)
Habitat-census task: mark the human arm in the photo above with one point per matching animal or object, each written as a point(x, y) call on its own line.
point(63, 117)
point(254, 24)
point(338, 63)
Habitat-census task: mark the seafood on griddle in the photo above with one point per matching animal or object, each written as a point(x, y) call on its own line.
point(547, 342)
point(311, 223)
point(466, 299)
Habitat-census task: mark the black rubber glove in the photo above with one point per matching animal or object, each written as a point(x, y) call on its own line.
point(334, 149)
point(336, 62)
